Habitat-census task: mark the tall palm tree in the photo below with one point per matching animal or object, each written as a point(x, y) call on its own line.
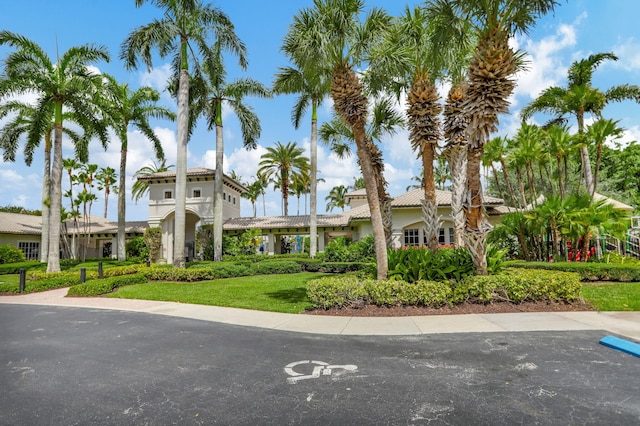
point(125, 109)
point(67, 83)
point(336, 197)
point(490, 76)
point(405, 58)
point(578, 98)
point(186, 31)
point(281, 163)
point(213, 95)
point(338, 38)
point(140, 187)
point(106, 178)
point(300, 185)
point(599, 132)
point(560, 145)
point(385, 120)
point(254, 189)
point(311, 83)
point(24, 118)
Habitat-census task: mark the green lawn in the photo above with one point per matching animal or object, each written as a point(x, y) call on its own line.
point(275, 293)
point(613, 296)
point(9, 283)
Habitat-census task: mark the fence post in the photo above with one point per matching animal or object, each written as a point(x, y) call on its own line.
point(23, 279)
point(83, 275)
point(100, 269)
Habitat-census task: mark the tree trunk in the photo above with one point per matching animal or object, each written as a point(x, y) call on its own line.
point(457, 157)
point(351, 104)
point(46, 199)
point(53, 261)
point(313, 219)
point(181, 171)
point(218, 183)
point(584, 156)
point(122, 201)
point(477, 227)
point(429, 204)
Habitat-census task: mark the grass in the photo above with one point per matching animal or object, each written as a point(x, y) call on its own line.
point(612, 296)
point(275, 293)
point(9, 283)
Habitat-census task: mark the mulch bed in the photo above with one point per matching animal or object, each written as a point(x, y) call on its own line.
point(463, 308)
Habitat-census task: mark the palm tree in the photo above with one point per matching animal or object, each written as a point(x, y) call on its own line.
point(254, 190)
point(311, 83)
point(336, 197)
point(281, 163)
point(126, 108)
point(339, 40)
point(67, 83)
point(25, 118)
point(441, 173)
point(412, 71)
point(578, 98)
point(385, 120)
point(600, 132)
point(490, 76)
point(214, 94)
point(106, 178)
point(300, 185)
point(140, 187)
point(185, 31)
point(560, 145)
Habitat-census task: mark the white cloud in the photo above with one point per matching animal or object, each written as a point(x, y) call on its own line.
point(628, 53)
point(158, 78)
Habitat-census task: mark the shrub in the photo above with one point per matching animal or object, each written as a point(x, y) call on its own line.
point(588, 271)
point(10, 254)
point(106, 285)
point(339, 291)
point(416, 264)
point(277, 267)
point(341, 249)
point(136, 248)
point(41, 281)
point(14, 268)
point(153, 243)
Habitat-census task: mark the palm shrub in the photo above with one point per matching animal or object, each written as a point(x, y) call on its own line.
point(416, 264)
point(341, 249)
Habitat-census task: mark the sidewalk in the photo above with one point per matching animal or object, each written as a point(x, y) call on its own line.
point(624, 324)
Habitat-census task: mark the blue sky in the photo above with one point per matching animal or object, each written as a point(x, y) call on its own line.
point(576, 29)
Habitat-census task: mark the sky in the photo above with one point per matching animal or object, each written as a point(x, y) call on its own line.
point(575, 30)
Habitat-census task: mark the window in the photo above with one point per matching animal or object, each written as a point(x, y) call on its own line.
point(451, 237)
point(411, 237)
point(234, 200)
point(168, 195)
point(197, 193)
point(31, 250)
point(441, 236)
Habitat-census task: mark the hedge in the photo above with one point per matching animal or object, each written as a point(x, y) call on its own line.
point(14, 268)
point(105, 285)
point(588, 271)
point(514, 285)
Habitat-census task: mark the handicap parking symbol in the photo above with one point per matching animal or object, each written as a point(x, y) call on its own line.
point(320, 368)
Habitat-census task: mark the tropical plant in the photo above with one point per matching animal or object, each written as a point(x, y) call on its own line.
point(336, 197)
point(68, 83)
point(212, 95)
point(254, 189)
point(281, 163)
point(125, 108)
point(185, 30)
point(578, 98)
point(106, 178)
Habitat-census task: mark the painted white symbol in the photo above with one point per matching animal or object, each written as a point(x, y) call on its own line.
point(321, 368)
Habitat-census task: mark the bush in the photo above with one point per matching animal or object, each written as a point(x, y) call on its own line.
point(105, 285)
point(588, 271)
point(277, 267)
point(137, 249)
point(14, 268)
point(41, 281)
point(10, 254)
point(337, 291)
point(341, 249)
point(417, 264)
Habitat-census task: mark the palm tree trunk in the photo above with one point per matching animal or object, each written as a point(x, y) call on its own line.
point(285, 197)
point(477, 227)
point(351, 104)
point(560, 185)
point(122, 202)
point(512, 193)
point(457, 157)
point(429, 204)
point(523, 197)
point(46, 200)
point(218, 187)
point(381, 184)
point(53, 261)
point(313, 219)
point(181, 171)
point(584, 156)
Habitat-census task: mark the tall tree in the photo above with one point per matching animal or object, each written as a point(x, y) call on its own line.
point(186, 30)
point(338, 37)
point(24, 118)
point(280, 163)
point(126, 109)
point(106, 178)
point(578, 98)
point(254, 190)
point(311, 82)
point(336, 197)
point(216, 94)
point(68, 83)
point(490, 76)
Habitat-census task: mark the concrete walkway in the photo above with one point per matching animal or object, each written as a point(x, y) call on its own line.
point(625, 324)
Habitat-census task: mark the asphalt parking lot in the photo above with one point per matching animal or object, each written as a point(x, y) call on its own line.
point(63, 365)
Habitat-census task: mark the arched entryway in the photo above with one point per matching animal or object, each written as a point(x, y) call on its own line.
point(167, 225)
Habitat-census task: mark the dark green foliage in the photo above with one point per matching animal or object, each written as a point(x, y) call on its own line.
point(20, 210)
point(588, 271)
point(10, 254)
point(277, 267)
point(416, 264)
point(341, 249)
point(515, 285)
point(14, 268)
point(106, 285)
point(204, 241)
point(136, 248)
